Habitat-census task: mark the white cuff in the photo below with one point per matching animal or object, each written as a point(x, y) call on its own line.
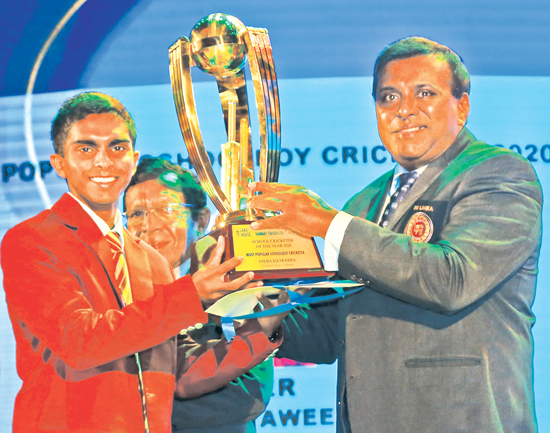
point(334, 238)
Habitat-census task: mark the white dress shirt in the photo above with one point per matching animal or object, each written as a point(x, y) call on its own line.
point(102, 225)
point(338, 226)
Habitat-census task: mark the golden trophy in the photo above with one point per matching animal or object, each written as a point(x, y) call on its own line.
point(219, 45)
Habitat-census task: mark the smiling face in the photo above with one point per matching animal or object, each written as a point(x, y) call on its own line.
point(418, 117)
point(98, 162)
point(170, 237)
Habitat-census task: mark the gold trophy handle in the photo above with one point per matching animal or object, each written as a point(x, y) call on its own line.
point(264, 78)
point(180, 75)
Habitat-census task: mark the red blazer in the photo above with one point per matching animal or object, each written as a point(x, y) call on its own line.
point(75, 345)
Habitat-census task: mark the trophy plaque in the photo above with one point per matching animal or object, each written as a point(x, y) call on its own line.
point(220, 45)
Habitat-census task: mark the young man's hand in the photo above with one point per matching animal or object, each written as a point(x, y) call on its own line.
point(270, 324)
point(209, 280)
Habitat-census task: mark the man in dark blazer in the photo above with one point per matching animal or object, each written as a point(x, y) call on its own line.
point(94, 352)
point(447, 245)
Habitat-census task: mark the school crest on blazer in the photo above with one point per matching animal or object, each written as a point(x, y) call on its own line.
point(424, 220)
point(420, 227)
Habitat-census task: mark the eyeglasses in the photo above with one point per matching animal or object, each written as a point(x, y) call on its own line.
point(170, 212)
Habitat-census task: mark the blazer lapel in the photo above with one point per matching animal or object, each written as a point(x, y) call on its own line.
point(86, 230)
point(368, 202)
point(88, 233)
point(418, 188)
point(376, 207)
point(431, 173)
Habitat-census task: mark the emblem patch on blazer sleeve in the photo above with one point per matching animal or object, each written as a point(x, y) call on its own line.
point(420, 227)
point(424, 220)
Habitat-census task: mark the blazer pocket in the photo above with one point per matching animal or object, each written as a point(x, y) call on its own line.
point(454, 361)
point(448, 394)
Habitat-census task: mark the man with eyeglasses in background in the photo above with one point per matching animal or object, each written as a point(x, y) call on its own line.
point(166, 207)
point(162, 206)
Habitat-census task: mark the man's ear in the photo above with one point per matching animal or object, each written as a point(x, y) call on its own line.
point(58, 163)
point(136, 160)
point(463, 109)
point(204, 219)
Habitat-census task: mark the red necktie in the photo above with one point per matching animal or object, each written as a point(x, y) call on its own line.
point(121, 268)
point(125, 294)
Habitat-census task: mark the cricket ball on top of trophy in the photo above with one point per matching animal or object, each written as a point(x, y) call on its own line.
point(221, 60)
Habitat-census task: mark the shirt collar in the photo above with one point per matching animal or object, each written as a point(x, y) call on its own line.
point(102, 225)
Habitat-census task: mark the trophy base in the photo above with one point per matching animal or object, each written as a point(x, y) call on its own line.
point(274, 254)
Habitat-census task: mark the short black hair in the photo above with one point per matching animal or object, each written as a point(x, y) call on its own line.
point(81, 106)
point(173, 177)
point(416, 46)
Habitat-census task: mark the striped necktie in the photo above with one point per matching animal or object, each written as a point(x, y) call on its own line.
point(121, 268)
point(404, 184)
point(125, 296)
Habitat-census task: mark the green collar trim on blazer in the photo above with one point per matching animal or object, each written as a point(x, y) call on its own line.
point(462, 141)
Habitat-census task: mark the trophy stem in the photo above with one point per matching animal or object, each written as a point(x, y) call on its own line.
point(244, 140)
point(235, 193)
point(232, 159)
point(231, 122)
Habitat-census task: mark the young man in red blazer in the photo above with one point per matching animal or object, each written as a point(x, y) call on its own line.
point(90, 357)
